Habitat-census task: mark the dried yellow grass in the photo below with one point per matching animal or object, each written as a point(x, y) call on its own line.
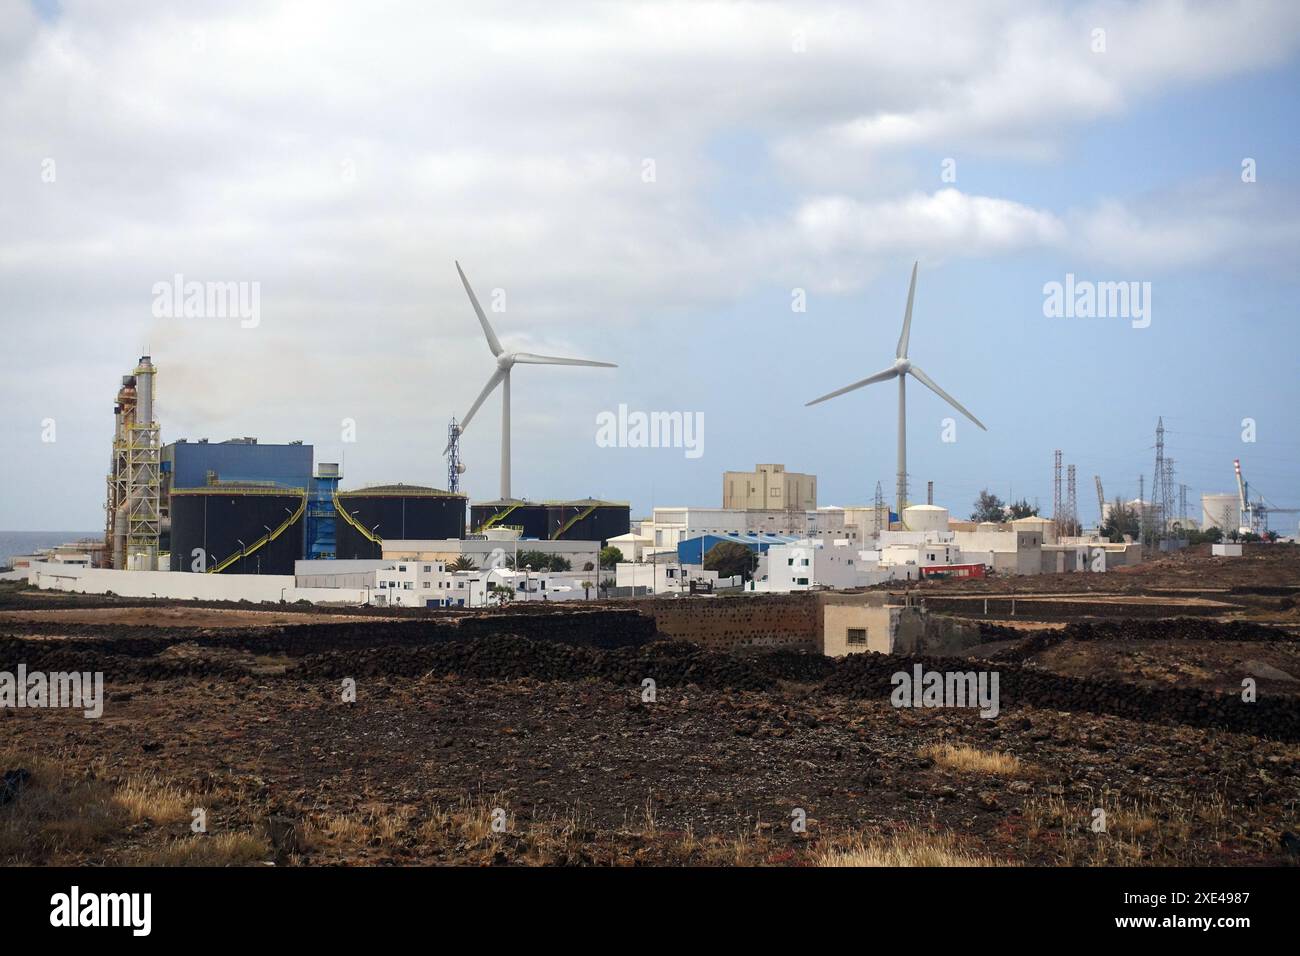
point(159, 803)
point(911, 848)
point(965, 759)
point(222, 849)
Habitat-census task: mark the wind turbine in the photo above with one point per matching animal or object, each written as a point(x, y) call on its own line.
point(902, 368)
point(505, 362)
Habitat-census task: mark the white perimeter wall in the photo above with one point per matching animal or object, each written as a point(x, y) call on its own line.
point(186, 586)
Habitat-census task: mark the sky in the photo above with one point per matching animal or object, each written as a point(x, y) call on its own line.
point(725, 199)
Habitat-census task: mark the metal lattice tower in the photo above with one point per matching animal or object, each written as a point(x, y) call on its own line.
point(1159, 486)
point(454, 467)
point(880, 510)
point(929, 492)
point(1101, 502)
point(1167, 493)
point(1182, 504)
point(1071, 503)
point(1057, 515)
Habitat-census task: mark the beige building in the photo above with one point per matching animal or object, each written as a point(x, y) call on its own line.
point(770, 488)
point(881, 622)
point(489, 553)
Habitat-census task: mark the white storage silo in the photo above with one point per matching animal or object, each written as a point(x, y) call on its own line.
point(1220, 511)
point(925, 518)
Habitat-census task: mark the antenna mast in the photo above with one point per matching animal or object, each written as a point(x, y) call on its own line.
point(454, 467)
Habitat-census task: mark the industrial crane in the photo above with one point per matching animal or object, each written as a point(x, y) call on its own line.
point(1253, 515)
point(1243, 506)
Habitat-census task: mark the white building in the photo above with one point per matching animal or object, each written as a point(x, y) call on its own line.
point(411, 583)
point(669, 577)
point(632, 546)
point(811, 563)
point(483, 588)
point(670, 526)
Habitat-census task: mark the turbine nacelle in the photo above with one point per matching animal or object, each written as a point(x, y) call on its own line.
point(902, 366)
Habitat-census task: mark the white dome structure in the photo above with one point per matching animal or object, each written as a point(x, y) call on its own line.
point(925, 518)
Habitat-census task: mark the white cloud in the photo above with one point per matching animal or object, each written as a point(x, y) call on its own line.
point(219, 140)
point(947, 222)
point(1222, 223)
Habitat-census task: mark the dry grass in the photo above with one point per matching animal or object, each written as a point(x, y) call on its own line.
point(55, 816)
point(223, 849)
point(154, 801)
point(65, 817)
point(1137, 831)
point(965, 759)
point(910, 848)
point(421, 830)
point(463, 833)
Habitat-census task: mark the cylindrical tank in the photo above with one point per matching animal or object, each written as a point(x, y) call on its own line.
point(587, 520)
point(1220, 511)
point(119, 537)
point(144, 391)
point(395, 512)
point(225, 523)
point(529, 518)
point(925, 518)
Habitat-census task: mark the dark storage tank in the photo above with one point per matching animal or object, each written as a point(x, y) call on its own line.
point(530, 518)
point(588, 520)
point(236, 530)
point(369, 516)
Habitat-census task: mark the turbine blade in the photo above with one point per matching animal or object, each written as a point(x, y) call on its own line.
point(493, 343)
point(884, 376)
point(907, 317)
point(529, 358)
point(930, 383)
point(492, 383)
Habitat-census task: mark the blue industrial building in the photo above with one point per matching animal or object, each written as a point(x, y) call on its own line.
point(199, 464)
point(244, 462)
point(693, 550)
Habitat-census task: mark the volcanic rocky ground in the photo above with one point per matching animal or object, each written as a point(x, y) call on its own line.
point(1142, 719)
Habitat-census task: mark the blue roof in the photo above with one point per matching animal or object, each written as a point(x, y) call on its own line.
point(692, 550)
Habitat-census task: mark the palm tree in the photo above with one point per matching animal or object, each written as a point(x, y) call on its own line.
point(463, 563)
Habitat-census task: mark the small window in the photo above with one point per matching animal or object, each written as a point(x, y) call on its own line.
point(428, 568)
point(857, 636)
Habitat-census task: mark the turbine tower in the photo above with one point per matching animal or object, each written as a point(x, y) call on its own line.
point(902, 368)
point(505, 362)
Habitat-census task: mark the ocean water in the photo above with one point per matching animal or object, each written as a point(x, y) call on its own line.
point(25, 542)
